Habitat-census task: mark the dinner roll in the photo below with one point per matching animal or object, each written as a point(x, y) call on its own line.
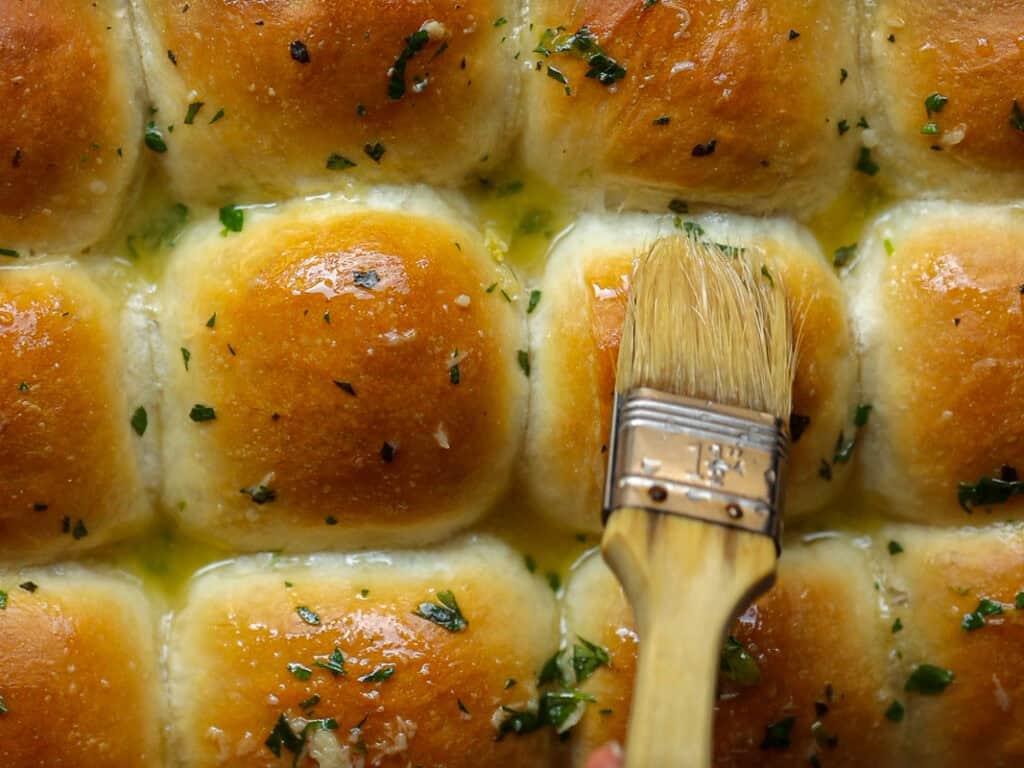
point(803, 675)
point(74, 447)
point(388, 659)
point(339, 374)
point(708, 100)
point(72, 126)
point(79, 683)
point(937, 302)
point(944, 581)
point(269, 100)
point(575, 337)
point(945, 78)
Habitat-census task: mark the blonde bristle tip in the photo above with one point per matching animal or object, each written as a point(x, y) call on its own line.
point(700, 322)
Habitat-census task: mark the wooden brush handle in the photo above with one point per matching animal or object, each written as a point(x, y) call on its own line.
point(686, 581)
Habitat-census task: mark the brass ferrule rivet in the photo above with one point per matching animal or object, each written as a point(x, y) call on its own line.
point(657, 493)
point(734, 511)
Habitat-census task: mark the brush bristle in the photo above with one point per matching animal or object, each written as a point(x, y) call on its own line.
point(700, 323)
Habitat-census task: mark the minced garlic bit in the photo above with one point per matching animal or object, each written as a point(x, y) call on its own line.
point(462, 300)
point(495, 244)
point(435, 30)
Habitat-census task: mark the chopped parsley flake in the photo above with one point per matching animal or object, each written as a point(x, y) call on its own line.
point(587, 657)
point(345, 386)
point(897, 625)
point(3, 600)
point(233, 218)
point(843, 74)
point(534, 301)
point(843, 127)
point(976, 619)
point(929, 679)
point(29, 586)
point(895, 547)
point(310, 617)
point(212, 321)
point(336, 162)
point(860, 418)
point(1018, 601)
point(703, 150)
point(202, 412)
point(929, 129)
point(865, 163)
point(500, 21)
point(988, 491)
point(301, 671)
point(283, 736)
point(462, 707)
point(934, 102)
point(776, 735)
point(415, 43)
point(140, 420)
point(556, 709)
point(9, 252)
point(445, 612)
point(375, 151)
point(509, 188)
point(186, 356)
point(843, 255)
point(379, 675)
point(894, 712)
point(154, 139)
point(217, 116)
point(367, 279)
point(736, 663)
point(193, 110)
point(299, 51)
point(260, 494)
point(1017, 117)
point(663, 120)
point(387, 453)
point(335, 663)
point(3, 706)
point(556, 74)
point(523, 357)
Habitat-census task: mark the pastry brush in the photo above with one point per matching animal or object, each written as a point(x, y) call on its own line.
point(694, 490)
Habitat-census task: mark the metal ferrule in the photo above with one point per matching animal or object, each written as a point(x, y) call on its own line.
point(696, 459)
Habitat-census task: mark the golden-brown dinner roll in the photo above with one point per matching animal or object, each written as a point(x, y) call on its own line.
point(708, 100)
point(272, 99)
point(938, 307)
point(575, 339)
point(944, 580)
point(344, 642)
point(79, 683)
point(72, 127)
point(947, 83)
point(74, 467)
point(340, 374)
point(809, 658)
